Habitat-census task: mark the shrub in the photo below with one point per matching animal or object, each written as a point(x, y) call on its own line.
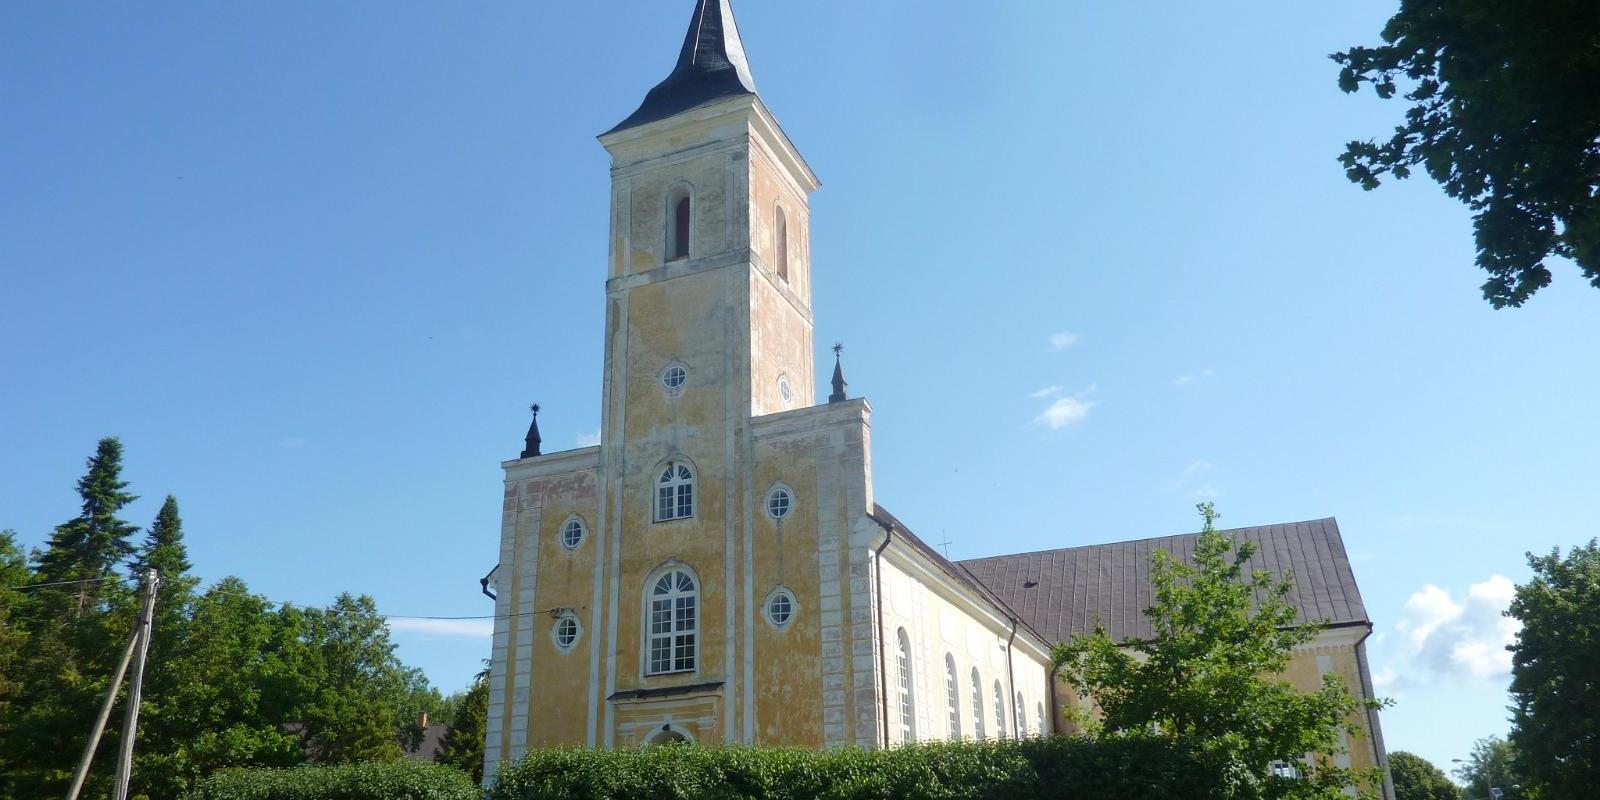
point(400, 780)
point(1056, 767)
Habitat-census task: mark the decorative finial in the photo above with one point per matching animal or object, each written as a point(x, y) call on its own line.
point(533, 439)
point(838, 395)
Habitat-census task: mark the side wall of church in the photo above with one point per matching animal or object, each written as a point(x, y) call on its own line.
point(945, 622)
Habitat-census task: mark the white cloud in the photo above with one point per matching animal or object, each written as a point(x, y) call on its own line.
point(1062, 340)
point(1063, 412)
point(1465, 638)
point(1194, 474)
point(589, 439)
point(458, 628)
point(1048, 391)
point(1193, 377)
point(292, 443)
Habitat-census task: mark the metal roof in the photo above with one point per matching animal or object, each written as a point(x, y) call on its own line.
point(1067, 591)
point(711, 66)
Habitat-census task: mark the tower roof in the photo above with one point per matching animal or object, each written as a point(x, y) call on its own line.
point(711, 66)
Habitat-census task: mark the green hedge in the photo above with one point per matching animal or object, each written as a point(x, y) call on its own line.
point(401, 780)
point(1058, 767)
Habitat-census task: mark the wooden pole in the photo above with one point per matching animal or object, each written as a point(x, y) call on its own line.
point(130, 722)
point(100, 721)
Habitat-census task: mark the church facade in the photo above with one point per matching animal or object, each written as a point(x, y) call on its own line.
point(718, 569)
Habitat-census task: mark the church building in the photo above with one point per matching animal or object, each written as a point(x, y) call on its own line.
point(719, 569)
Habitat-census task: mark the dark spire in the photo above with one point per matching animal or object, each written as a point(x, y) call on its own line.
point(838, 375)
point(710, 67)
point(533, 434)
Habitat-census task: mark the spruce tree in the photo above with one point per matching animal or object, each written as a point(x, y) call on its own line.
point(90, 546)
point(163, 729)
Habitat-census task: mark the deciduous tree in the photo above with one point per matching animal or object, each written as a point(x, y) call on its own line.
point(463, 744)
point(1416, 778)
point(1222, 635)
point(1505, 115)
point(1555, 675)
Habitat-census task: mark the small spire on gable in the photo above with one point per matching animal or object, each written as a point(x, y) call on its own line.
point(711, 66)
point(533, 440)
point(838, 395)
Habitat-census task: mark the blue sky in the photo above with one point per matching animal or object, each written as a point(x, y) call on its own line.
point(1091, 263)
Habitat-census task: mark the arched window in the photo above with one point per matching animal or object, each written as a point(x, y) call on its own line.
point(902, 662)
point(1021, 711)
point(675, 492)
point(1038, 717)
point(999, 710)
point(674, 621)
point(952, 688)
point(977, 704)
point(680, 219)
point(781, 245)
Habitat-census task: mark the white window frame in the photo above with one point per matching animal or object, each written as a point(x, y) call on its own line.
point(952, 690)
point(673, 494)
point(977, 705)
point(780, 243)
point(905, 681)
point(583, 533)
point(766, 607)
point(1022, 716)
point(555, 631)
point(681, 606)
point(665, 378)
point(1000, 709)
point(772, 495)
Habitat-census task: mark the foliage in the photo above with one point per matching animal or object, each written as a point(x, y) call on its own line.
point(74, 636)
point(464, 742)
point(1055, 767)
point(232, 680)
point(1415, 778)
point(1505, 115)
point(1492, 764)
point(1555, 674)
point(401, 780)
point(1221, 635)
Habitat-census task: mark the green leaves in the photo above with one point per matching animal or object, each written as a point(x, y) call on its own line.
point(1555, 676)
point(1221, 636)
point(1505, 116)
point(397, 781)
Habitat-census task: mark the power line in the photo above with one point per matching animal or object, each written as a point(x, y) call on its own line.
point(30, 586)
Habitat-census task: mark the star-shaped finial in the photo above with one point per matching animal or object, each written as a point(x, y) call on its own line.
point(534, 408)
point(838, 347)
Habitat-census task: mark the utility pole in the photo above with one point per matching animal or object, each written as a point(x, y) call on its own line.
point(100, 721)
point(130, 723)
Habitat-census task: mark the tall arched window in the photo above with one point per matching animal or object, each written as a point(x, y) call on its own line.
point(902, 662)
point(781, 245)
point(674, 621)
point(952, 688)
point(1038, 717)
point(1021, 712)
point(977, 704)
point(675, 492)
point(680, 219)
point(999, 710)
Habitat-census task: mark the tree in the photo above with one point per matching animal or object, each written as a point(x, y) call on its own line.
point(13, 574)
point(162, 721)
point(464, 742)
point(1208, 674)
point(1416, 778)
point(75, 634)
point(1555, 674)
point(1505, 115)
point(352, 685)
point(1492, 765)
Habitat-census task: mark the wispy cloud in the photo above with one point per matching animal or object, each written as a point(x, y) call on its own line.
point(292, 442)
point(1067, 410)
point(1062, 340)
point(456, 628)
point(1191, 378)
point(1196, 478)
point(589, 439)
point(1048, 391)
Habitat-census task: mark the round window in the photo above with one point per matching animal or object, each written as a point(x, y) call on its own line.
point(785, 391)
point(566, 631)
point(780, 608)
point(779, 503)
point(674, 377)
point(572, 534)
